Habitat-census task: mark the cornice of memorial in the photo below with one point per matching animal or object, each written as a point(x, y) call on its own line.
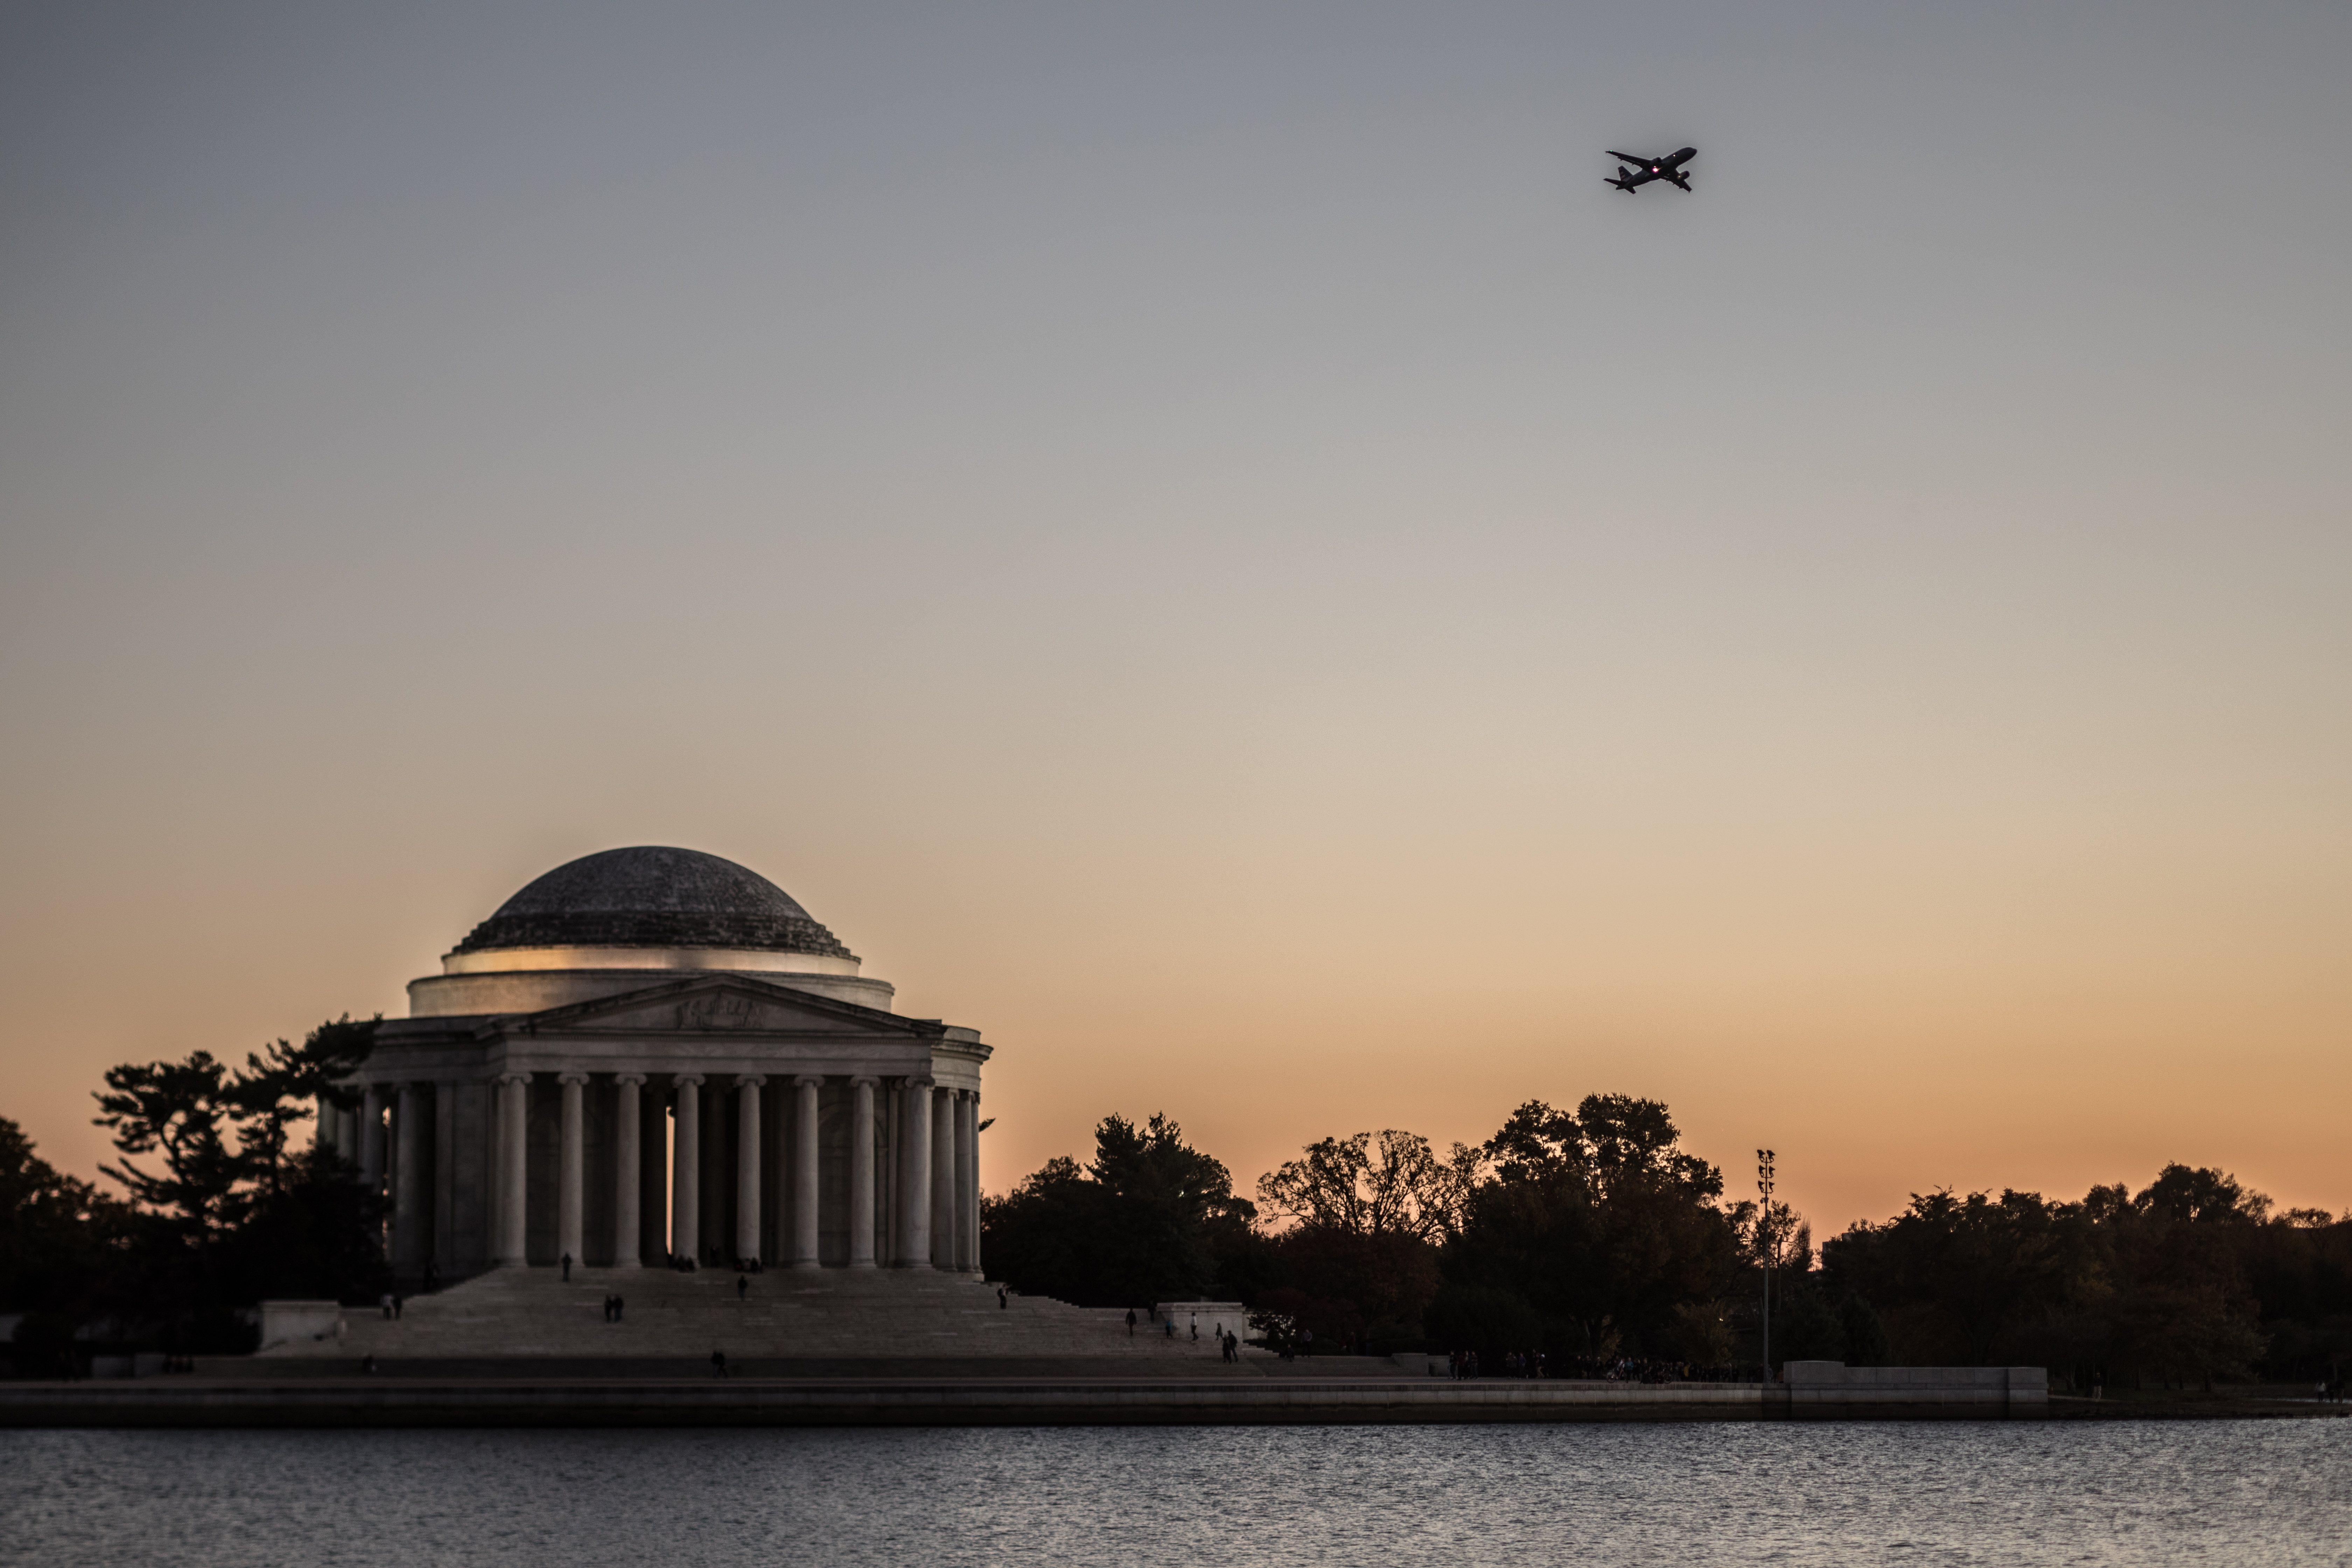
point(655, 927)
point(716, 1020)
point(726, 1001)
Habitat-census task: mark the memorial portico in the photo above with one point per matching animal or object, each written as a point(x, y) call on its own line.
point(654, 1053)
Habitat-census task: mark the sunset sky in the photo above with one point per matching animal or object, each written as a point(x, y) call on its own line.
point(1204, 543)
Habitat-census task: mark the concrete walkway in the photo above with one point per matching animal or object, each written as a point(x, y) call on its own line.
point(749, 1402)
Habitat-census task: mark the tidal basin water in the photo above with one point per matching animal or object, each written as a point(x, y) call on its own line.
point(2219, 1492)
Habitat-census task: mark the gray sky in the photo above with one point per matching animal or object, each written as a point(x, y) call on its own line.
point(1208, 544)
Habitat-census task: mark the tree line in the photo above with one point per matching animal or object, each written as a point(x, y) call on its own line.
point(1590, 1235)
point(1595, 1237)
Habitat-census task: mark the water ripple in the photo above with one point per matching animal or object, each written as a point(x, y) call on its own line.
point(2119, 1493)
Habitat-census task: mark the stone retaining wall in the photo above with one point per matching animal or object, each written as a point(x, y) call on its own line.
point(966, 1402)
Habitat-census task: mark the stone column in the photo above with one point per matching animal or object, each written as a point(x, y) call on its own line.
point(445, 1171)
point(653, 1179)
point(514, 1177)
point(571, 1175)
point(407, 1184)
point(861, 1173)
point(890, 1180)
point(323, 1135)
point(943, 1178)
point(372, 1139)
point(967, 1135)
point(686, 1176)
point(915, 1179)
point(804, 1169)
point(494, 1168)
point(747, 1165)
point(715, 1182)
point(626, 1159)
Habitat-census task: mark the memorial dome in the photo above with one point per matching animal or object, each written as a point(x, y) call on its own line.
point(654, 1056)
point(651, 896)
point(595, 926)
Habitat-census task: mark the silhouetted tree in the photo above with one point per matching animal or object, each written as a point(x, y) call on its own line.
point(1150, 1219)
point(1374, 1183)
point(2298, 1265)
point(1368, 1213)
point(1958, 1270)
point(1603, 1224)
point(232, 1215)
point(1488, 1319)
point(1863, 1334)
point(223, 1134)
point(2119, 1286)
point(62, 1240)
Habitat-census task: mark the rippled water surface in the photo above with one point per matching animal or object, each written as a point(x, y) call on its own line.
point(2221, 1492)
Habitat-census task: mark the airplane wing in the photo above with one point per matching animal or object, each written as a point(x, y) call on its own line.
point(1631, 158)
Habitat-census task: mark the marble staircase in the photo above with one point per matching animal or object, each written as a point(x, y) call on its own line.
point(787, 1314)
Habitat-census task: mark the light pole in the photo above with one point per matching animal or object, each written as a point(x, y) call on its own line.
point(1764, 1169)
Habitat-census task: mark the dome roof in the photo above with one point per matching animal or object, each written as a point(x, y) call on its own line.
point(653, 897)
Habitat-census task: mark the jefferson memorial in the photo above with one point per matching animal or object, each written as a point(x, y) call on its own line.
point(653, 1053)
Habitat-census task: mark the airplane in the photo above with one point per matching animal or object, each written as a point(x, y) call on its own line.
point(1644, 170)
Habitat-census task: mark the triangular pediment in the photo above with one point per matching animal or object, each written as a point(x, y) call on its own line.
point(720, 1005)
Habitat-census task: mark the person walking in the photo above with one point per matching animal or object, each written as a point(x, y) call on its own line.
point(1130, 1322)
point(395, 1306)
point(719, 1363)
point(386, 1302)
point(1002, 1302)
point(567, 1269)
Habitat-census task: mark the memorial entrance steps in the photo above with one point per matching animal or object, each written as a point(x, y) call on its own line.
point(785, 1314)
